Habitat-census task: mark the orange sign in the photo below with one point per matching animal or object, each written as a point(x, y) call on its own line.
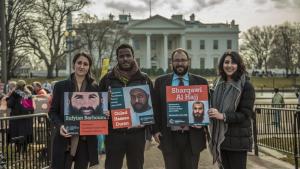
point(187, 93)
point(93, 127)
point(121, 118)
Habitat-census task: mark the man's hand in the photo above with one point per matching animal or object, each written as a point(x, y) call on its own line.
point(64, 132)
point(156, 137)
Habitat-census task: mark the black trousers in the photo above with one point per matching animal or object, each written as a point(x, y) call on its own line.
point(233, 159)
point(81, 159)
point(131, 144)
point(181, 157)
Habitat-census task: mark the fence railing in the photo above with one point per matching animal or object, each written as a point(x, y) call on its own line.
point(25, 141)
point(278, 128)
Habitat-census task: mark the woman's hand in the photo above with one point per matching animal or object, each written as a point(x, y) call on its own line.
point(215, 114)
point(64, 132)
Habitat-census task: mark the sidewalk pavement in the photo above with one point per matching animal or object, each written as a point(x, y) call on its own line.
point(154, 160)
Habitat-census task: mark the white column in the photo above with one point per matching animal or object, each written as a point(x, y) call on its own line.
point(148, 56)
point(182, 44)
point(130, 41)
point(165, 59)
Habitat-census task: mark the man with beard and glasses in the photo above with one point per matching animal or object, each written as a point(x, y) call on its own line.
point(85, 103)
point(198, 112)
point(125, 141)
point(180, 145)
point(139, 100)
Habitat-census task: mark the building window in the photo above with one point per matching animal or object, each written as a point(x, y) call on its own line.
point(202, 44)
point(153, 44)
point(169, 44)
point(136, 44)
point(216, 44)
point(229, 44)
point(202, 63)
point(216, 59)
point(189, 44)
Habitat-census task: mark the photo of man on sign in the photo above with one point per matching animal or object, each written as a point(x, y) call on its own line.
point(85, 103)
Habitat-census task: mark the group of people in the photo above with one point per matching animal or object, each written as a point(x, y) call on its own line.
point(19, 101)
point(229, 132)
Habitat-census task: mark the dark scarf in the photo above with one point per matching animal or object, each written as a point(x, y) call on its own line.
point(125, 76)
point(226, 97)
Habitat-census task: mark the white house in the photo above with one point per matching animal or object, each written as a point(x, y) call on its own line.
point(156, 37)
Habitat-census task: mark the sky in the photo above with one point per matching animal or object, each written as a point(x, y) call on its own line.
point(246, 13)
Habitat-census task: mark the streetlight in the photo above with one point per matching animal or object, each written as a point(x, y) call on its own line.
point(3, 42)
point(69, 34)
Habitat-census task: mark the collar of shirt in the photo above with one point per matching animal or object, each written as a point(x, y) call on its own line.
point(175, 80)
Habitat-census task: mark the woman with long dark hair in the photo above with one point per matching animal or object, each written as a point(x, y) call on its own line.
point(67, 148)
point(232, 102)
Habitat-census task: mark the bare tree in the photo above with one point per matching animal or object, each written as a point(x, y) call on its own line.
point(257, 45)
point(285, 44)
point(99, 37)
point(48, 24)
point(16, 20)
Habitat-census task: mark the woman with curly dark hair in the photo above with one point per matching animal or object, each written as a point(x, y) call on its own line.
point(232, 102)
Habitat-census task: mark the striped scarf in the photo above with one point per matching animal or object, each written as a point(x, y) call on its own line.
point(225, 98)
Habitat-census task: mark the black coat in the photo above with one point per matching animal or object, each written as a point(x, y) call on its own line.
point(111, 81)
point(239, 133)
point(20, 127)
point(56, 114)
point(197, 136)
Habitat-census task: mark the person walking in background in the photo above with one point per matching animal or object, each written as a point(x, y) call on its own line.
point(20, 130)
point(180, 145)
point(125, 141)
point(66, 149)
point(232, 104)
point(277, 102)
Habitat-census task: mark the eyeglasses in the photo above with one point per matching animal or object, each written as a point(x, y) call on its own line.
point(180, 60)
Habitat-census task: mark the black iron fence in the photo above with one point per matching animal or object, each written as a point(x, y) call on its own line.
point(25, 141)
point(278, 128)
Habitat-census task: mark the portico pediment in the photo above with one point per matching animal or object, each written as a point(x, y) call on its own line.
point(157, 22)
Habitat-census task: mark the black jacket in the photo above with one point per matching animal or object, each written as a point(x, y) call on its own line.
point(239, 133)
point(56, 114)
point(197, 136)
point(111, 81)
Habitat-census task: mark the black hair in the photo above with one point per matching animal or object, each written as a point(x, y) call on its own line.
point(179, 50)
point(125, 46)
point(236, 58)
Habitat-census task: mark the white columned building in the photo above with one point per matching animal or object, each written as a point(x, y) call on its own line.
point(154, 39)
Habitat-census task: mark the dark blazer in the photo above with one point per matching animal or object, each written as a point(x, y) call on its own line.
point(197, 136)
point(56, 114)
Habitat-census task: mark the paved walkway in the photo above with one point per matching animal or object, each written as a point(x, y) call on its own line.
point(154, 160)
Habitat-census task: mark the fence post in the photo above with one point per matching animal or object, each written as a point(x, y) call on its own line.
point(255, 132)
point(2, 161)
point(296, 128)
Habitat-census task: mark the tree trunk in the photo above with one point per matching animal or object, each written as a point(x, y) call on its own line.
point(50, 69)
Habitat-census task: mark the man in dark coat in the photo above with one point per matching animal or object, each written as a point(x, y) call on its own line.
point(125, 141)
point(180, 145)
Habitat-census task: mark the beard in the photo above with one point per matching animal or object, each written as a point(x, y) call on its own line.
point(140, 108)
point(198, 118)
point(126, 68)
point(185, 69)
point(85, 111)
